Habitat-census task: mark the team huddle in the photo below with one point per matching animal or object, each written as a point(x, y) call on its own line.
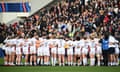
point(51, 51)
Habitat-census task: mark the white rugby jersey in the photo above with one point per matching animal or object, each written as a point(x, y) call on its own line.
point(79, 44)
point(82, 43)
point(97, 42)
point(46, 43)
point(53, 42)
point(86, 43)
point(70, 44)
point(13, 41)
point(33, 40)
point(116, 44)
point(111, 40)
point(6, 41)
point(61, 43)
point(19, 42)
point(26, 43)
point(92, 43)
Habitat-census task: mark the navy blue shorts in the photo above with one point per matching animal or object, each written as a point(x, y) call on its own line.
point(111, 50)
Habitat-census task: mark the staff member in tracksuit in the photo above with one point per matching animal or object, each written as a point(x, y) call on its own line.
point(105, 48)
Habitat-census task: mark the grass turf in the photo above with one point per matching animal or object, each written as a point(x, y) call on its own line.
point(57, 68)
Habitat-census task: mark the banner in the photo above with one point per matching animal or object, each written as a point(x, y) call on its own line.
point(15, 7)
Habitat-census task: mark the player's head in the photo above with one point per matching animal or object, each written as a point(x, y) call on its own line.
point(106, 35)
point(77, 38)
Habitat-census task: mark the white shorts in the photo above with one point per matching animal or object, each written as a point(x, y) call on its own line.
point(61, 50)
point(117, 51)
point(70, 51)
point(46, 51)
point(13, 49)
point(8, 50)
point(85, 51)
point(77, 51)
point(92, 51)
point(18, 50)
point(54, 50)
point(32, 50)
point(99, 50)
point(40, 51)
point(25, 50)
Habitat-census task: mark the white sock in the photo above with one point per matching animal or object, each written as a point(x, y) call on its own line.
point(71, 63)
point(98, 63)
point(92, 61)
point(38, 60)
point(16, 63)
point(111, 63)
point(35, 63)
point(47, 63)
point(74, 63)
point(117, 61)
point(63, 64)
point(52, 60)
point(30, 63)
point(84, 61)
point(79, 63)
point(25, 63)
point(5, 62)
point(41, 62)
point(59, 64)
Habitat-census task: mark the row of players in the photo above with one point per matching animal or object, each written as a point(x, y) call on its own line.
point(52, 51)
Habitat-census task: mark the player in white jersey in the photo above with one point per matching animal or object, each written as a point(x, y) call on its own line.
point(111, 50)
point(92, 50)
point(33, 50)
point(13, 46)
point(61, 52)
point(85, 50)
point(79, 44)
point(70, 52)
point(26, 46)
point(46, 51)
point(7, 50)
point(98, 50)
point(117, 52)
point(53, 45)
point(19, 44)
point(4, 48)
point(40, 52)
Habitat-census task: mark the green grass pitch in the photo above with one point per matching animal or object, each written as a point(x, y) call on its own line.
point(58, 69)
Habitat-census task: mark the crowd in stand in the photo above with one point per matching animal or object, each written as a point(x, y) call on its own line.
point(72, 19)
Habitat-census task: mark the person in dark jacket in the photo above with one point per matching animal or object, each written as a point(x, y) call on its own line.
point(105, 48)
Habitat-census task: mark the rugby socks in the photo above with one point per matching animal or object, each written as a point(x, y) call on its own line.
point(79, 63)
point(68, 63)
point(74, 64)
point(60, 64)
point(84, 61)
point(5, 62)
point(31, 63)
point(71, 63)
point(38, 60)
point(63, 64)
point(41, 62)
point(52, 60)
point(117, 63)
point(98, 63)
point(92, 61)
